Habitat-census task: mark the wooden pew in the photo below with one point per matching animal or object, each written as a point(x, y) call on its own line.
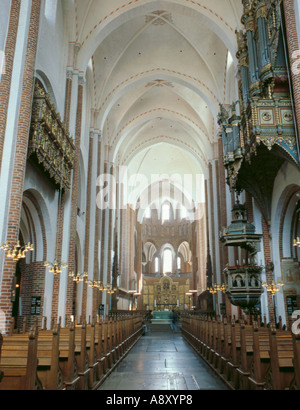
point(281, 370)
point(92, 342)
point(19, 364)
point(267, 358)
point(105, 349)
point(261, 357)
point(81, 356)
point(246, 355)
point(209, 340)
point(77, 350)
point(225, 348)
point(66, 355)
point(91, 354)
point(100, 351)
point(295, 385)
point(49, 371)
point(75, 357)
point(79, 363)
point(234, 356)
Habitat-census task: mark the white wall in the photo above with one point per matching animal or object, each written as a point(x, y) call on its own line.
point(52, 53)
point(4, 21)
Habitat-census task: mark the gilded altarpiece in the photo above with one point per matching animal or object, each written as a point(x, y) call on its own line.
point(166, 293)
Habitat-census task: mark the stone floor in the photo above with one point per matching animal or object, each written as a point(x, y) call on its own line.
point(162, 360)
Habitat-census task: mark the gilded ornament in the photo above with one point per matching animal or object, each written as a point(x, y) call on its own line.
point(261, 12)
point(49, 140)
point(288, 117)
point(266, 116)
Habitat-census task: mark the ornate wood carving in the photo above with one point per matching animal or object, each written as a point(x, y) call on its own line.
point(50, 145)
point(260, 135)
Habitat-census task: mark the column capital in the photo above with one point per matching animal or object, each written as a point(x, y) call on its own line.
point(81, 78)
point(69, 73)
point(95, 133)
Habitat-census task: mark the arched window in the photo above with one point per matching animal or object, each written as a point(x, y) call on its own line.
point(148, 212)
point(167, 261)
point(178, 262)
point(165, 212)
point(156, 267)
point(183, 212)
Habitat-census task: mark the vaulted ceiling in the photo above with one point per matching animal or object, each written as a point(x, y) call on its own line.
point(157, 71)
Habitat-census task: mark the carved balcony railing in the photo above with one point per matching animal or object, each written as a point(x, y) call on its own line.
point(243, 285)
point(50, 145)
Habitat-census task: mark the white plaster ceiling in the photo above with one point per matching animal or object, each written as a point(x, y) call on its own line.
point(157, 72)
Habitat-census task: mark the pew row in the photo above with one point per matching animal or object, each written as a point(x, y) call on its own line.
point(246, 357)
point(77, 357)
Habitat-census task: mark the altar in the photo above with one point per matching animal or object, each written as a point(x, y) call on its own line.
point(163, 316)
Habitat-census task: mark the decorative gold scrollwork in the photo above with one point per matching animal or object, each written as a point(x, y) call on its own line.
point(50, 140)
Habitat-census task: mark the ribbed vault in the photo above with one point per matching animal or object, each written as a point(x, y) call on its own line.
point(157, 72)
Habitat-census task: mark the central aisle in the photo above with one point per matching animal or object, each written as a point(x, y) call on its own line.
point(162, 361)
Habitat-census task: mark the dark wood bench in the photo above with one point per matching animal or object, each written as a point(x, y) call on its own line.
point(246, 356)
point(19, 363)
point(75, 357)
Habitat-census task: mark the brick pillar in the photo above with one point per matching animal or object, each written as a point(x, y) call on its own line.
point(131, 220)
point(68, 97)
point(104, 216)
point(62, 202)
point(195, 260)
point(139, 249)
point(111, 230)
point(293, 47)
point(268, 265)
point(123, 245)
point(5, 82)
point(97, 295)
point(202, 247)
point(74, 198)
point(58, 252)
point(87, 224)
point(212, 221)
point(20, 156)
point(73, 217)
